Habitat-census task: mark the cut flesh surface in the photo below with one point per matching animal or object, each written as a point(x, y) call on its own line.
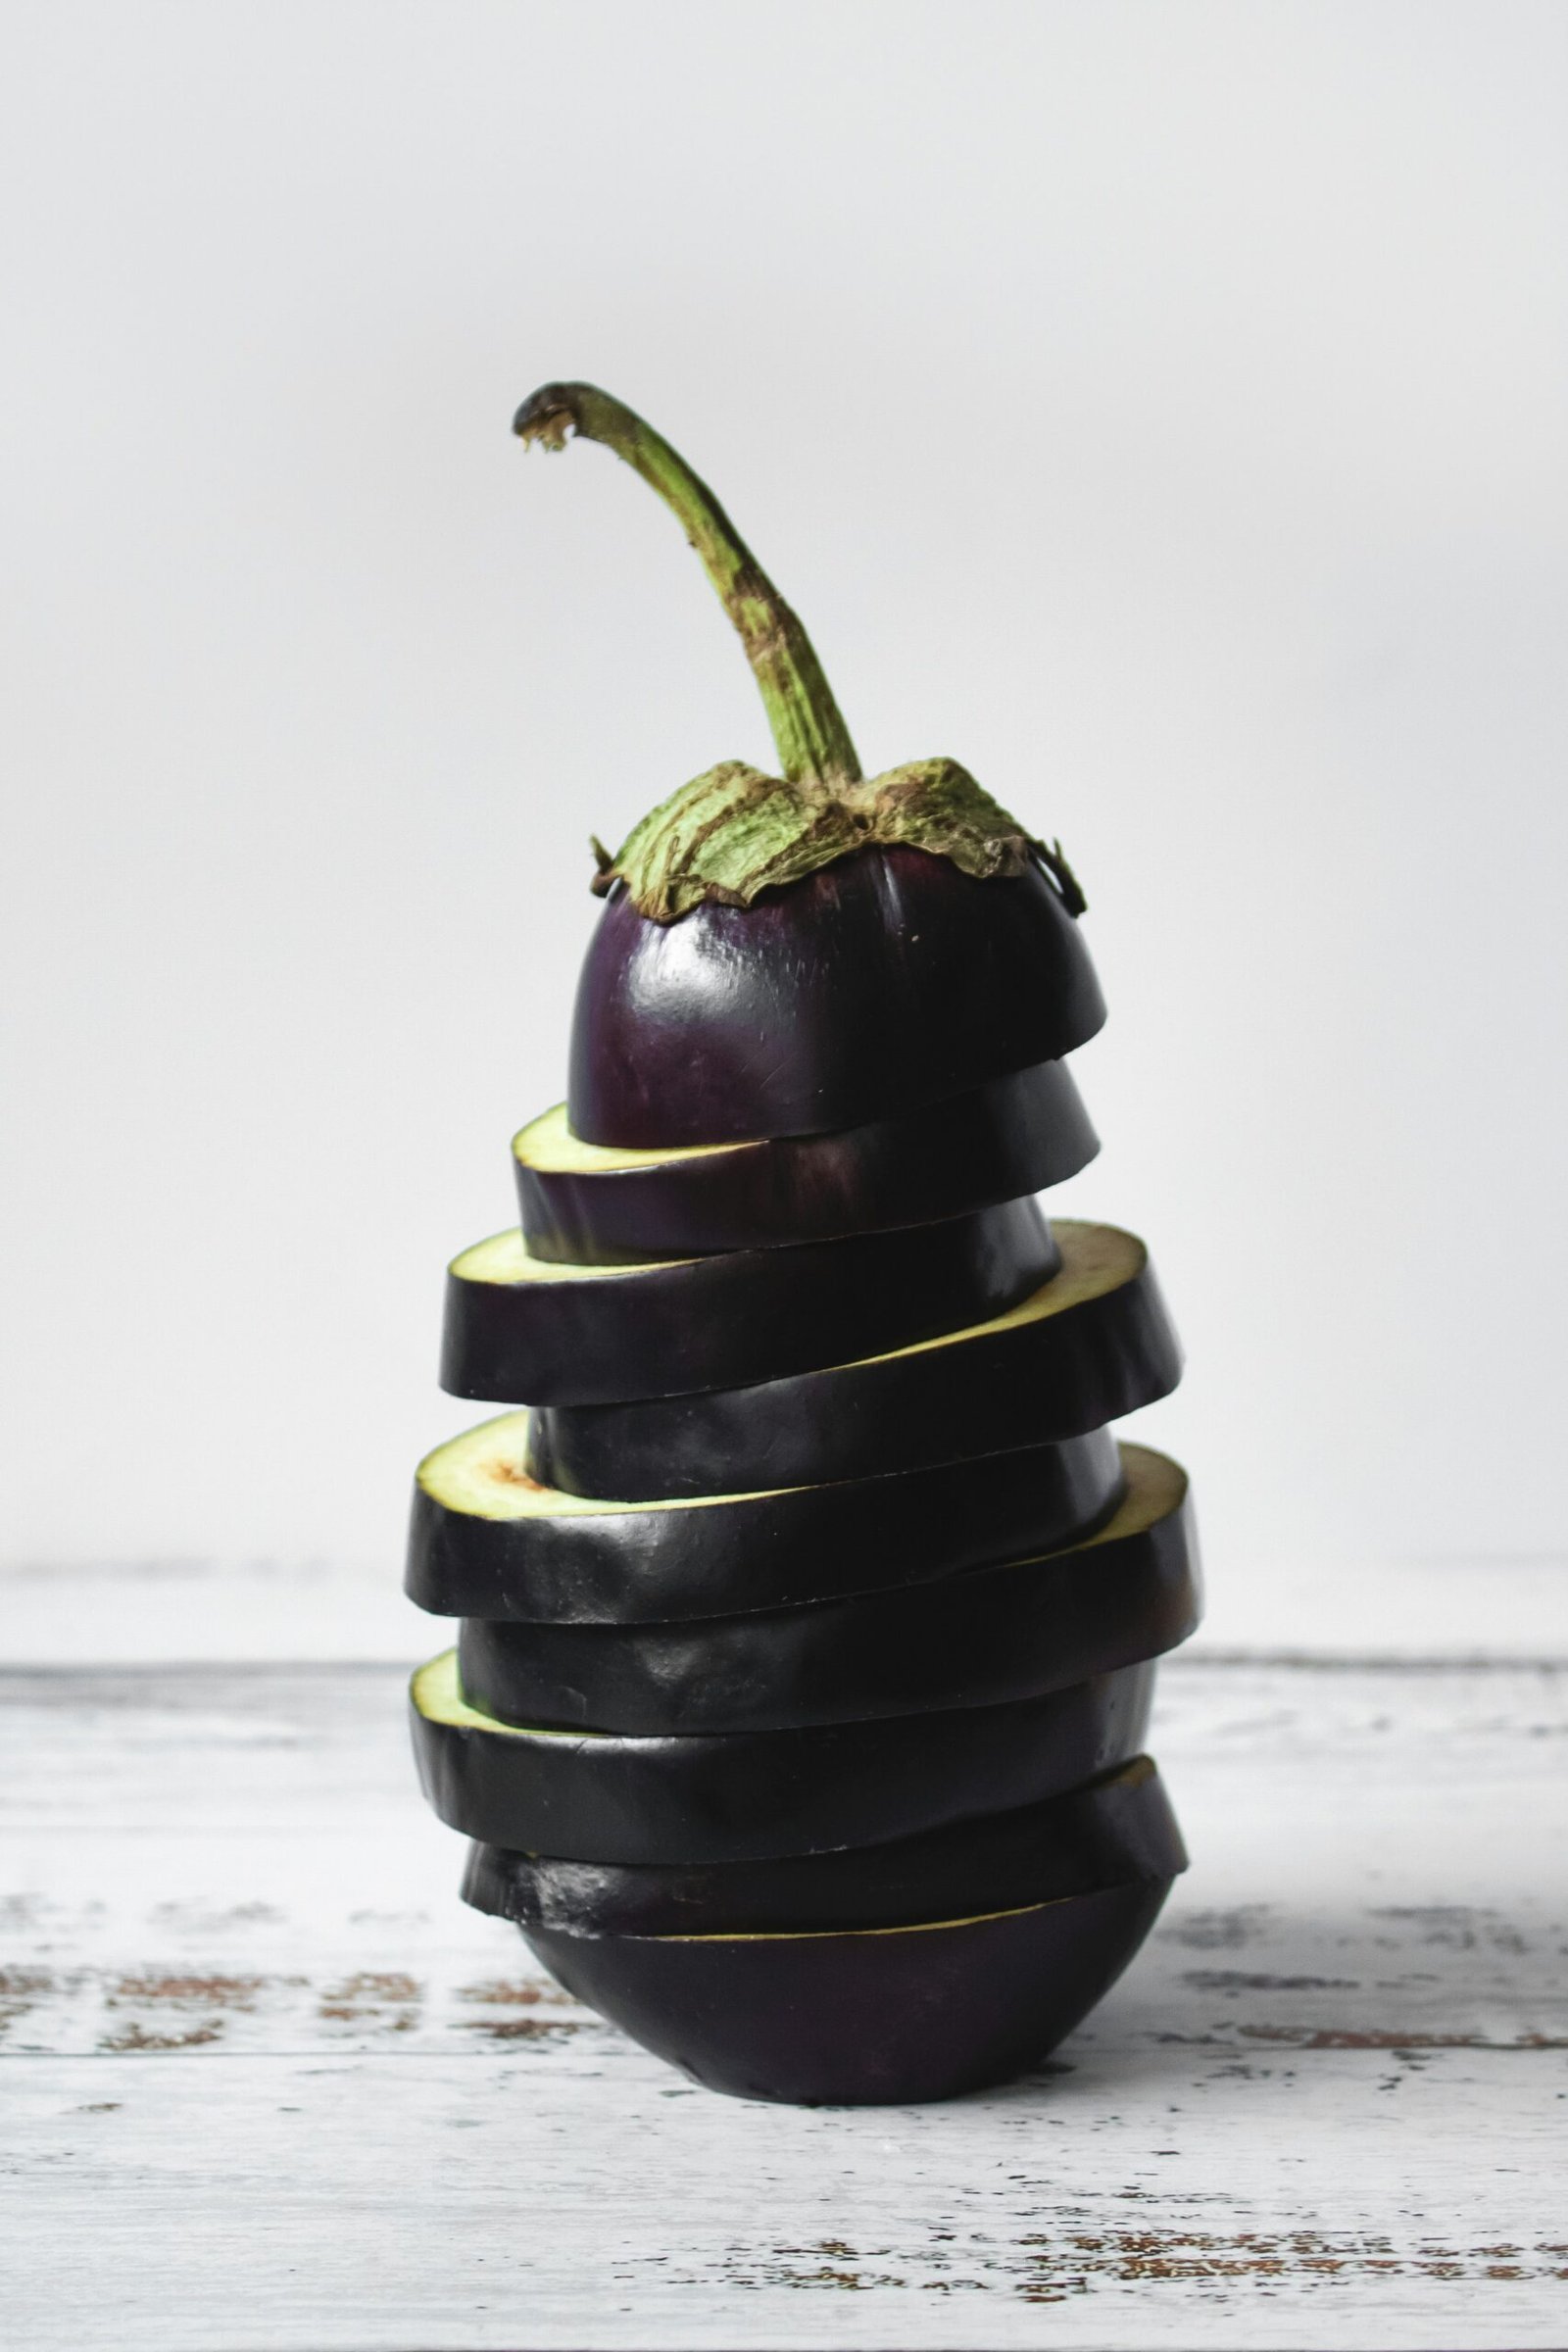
point(549, 1145)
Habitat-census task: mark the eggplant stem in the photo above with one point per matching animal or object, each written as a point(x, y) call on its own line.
point(812, 741)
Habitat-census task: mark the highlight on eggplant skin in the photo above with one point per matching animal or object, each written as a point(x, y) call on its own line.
point(731, 1024)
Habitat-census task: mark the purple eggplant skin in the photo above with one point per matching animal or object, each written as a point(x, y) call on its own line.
point(873, 2018)
point(1013, 1136)
point(1116, 1829)
point(758, 1551)
point(885, 981)
point(669, 1330)
point(762, 1793)
point(1022, 1384)
point(1131, 1593)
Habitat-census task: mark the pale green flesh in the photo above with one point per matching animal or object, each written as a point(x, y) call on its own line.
point(480, 1476)
point(437, 1695)
point(1095, 1260)
point(505, 1260)
point(548, 1143)
point(920, 1927)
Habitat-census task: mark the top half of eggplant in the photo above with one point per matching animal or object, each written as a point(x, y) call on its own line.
point(792, 954)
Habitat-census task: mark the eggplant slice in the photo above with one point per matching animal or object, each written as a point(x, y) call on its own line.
point(601, 1798)
point(1109, 1834)
point(485, 1540)
point(878, 984)
point(592, 1204)
point(1129, 1592)
point(1093, 1343)
point(524, 1330)
point(876, 2016)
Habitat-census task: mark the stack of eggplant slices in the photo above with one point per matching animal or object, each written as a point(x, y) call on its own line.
point(808, 1608)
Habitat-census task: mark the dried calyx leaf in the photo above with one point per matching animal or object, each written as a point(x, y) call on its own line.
point(733, 833)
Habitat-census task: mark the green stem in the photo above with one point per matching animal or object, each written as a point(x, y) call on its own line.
point(814, 743)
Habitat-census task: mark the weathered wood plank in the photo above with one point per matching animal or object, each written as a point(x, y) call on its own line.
point(268, 2084)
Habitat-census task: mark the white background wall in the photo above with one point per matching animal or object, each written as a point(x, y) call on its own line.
point(1159, 407)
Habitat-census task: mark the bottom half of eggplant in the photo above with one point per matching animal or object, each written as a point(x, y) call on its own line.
point(868, 2017)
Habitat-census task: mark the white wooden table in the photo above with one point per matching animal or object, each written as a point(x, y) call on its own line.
point(265, 2083)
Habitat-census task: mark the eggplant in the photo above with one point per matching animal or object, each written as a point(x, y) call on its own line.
point(1128, 1593)
point(745, 1797)
point(522, 1330)
point(878, 2015)
point(1113, 1832)
point(485, 1540)
point(594, 1206)
point(1093, 1343)
point(734, 1021)
point(789, 954)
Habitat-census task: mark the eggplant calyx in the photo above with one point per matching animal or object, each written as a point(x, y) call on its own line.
point(732, 833)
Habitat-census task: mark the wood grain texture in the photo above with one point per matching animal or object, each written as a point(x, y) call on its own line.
point(265, 2083)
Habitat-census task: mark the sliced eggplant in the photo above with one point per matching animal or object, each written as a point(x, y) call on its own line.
point(523, 1330)
point(878, 2015)
point(871, 988)
point(1109, 1834)
point(1129, 1592)
point(485, 1540)
point(1092, 1344)
point(594, 1206)
point(754, 1795)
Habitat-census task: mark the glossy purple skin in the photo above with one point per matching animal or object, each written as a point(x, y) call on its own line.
point(1014, 1135)
point(761, 1552)
point(976, 1640)
point(1012, 1386)
point(743, 1315)
point(863, 2020)
point(1110, 1834)
point(703, 1798)
point(884, 981)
